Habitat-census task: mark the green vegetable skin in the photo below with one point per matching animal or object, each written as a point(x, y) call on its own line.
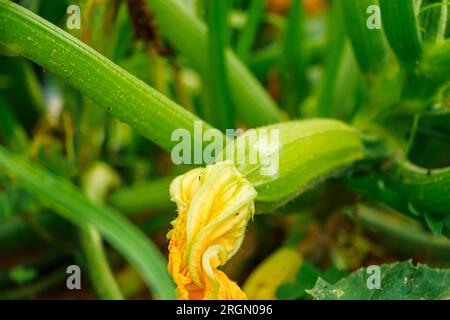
point(310, 151)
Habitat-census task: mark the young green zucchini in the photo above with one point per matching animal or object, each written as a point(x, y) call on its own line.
point(292, 156)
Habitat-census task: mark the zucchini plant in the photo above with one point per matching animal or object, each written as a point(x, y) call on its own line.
point(320, 129)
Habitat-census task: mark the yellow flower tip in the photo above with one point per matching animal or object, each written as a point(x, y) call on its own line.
point(214, 205)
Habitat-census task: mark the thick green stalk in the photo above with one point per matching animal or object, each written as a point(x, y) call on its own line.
point(401, 29)
point(247, 35)
point(122, 94)
point(220, 109)
point(62, 197)
point(100, 273)
point(190, 37)
point(336, 47)
point(294, 59)
point(368, 44)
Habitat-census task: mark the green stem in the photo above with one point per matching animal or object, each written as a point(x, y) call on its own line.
point(100, 273)
point(403, 233)
point(122, 94)
point(401, 29)
point(219, 108)
point(412, 134)
point(415, 191)
point(96, 183)
point(368, 44)
point(248, 33)
point(294, 58)
point(251, 100)
point(33, 289)
point(336, 44)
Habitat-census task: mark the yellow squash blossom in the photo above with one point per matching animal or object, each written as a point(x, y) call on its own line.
point(214, 205)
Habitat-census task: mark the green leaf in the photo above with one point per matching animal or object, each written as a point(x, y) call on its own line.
point(399, 281)
point(62, 197)
point(306, 278)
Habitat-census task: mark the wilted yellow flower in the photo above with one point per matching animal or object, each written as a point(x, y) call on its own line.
point(214, 205)
point(282, 266)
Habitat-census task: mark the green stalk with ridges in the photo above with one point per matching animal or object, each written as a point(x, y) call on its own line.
point(220, 111)
point(336, 46)
point(401, 29)
point(368, 44)
point(123, 95)
point(248, 33)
